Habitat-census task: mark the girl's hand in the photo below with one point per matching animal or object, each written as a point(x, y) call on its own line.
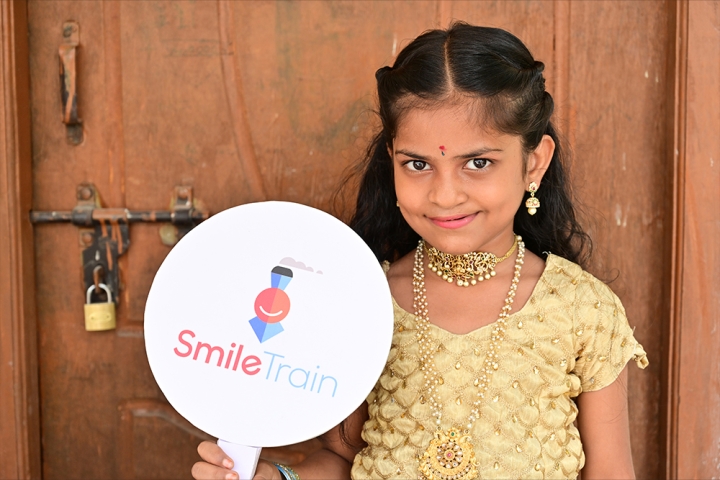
point(218, 466)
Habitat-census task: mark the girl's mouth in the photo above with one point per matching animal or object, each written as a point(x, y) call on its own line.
point(455, 221)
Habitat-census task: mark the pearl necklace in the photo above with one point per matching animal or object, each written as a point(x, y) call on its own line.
point(451, 455)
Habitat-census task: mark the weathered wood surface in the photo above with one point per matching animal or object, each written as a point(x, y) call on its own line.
point(19, 410)
point(254, 100)
point(617, 103)
point(697, 429)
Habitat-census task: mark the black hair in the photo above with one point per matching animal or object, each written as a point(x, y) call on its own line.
point(495, 69)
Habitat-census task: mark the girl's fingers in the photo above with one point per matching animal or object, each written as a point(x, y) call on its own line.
point(217, 466)
point(266, 471)
point(206, 471)
point(213, 454)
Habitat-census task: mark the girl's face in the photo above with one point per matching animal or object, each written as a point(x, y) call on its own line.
point(459, 185)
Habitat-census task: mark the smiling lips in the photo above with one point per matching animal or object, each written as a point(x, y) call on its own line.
point(270, 314)
point(455, 221)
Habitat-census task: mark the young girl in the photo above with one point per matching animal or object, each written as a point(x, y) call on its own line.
point(499, 334)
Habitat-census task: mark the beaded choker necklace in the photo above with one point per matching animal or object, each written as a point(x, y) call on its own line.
point(451, 455)
point(467, 266)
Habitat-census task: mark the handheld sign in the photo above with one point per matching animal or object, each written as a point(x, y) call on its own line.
point(267, 325)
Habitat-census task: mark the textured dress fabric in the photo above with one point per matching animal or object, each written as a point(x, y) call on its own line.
point(571, 336)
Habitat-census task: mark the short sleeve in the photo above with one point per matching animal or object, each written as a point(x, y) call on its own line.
point(604, 340)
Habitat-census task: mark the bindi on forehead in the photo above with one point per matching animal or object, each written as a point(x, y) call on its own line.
point(442, 150)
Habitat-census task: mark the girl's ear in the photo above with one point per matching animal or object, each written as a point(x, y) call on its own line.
point(539, 159)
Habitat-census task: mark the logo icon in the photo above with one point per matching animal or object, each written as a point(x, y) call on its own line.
point(272, 305)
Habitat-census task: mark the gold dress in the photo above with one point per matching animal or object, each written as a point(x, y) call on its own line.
point(572, 336)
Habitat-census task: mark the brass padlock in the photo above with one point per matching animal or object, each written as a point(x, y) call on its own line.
point(99, 316)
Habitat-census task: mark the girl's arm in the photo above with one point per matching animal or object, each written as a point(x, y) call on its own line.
point(605, 432)
point(333, 460)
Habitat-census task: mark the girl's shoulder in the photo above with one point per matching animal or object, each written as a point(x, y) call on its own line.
point(569, 280)
point(603, 338)
point(400, 268)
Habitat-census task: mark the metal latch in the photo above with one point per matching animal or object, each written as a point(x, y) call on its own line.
point(104, 233)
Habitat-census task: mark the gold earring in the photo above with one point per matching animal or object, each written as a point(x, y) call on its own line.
point(532, 203)
point(397, 204)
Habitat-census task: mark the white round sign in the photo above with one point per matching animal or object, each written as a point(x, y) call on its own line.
point(268, 324)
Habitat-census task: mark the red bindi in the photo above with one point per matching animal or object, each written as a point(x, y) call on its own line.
point(442, 150)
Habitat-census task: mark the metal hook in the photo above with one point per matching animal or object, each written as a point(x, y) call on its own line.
point(98, 275)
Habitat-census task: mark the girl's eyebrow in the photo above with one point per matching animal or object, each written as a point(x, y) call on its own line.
point(479, 152)
point(475, 153)
point(410, 154)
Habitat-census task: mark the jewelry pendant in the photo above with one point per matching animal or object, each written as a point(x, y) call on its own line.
point(466, 269)
point(450, 456)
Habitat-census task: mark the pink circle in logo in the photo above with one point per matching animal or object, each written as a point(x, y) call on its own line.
point(272, 305)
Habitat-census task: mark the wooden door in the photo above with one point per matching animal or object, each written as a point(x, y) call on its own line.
point(241, 101)
point(246, 101)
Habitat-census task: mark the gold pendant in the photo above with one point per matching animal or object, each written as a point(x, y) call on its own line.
point(450, 456)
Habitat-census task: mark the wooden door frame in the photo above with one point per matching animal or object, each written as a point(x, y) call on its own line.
point(20, 446)
point(19, 395)
point(691, 434)
point(676, 122)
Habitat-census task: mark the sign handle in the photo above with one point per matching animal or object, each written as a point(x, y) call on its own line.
point(244, 458)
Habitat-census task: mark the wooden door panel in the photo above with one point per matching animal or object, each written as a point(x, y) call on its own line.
point(252, 100)
point(144, 257)
point(149, 429)
point(56, 162)
point(152, 439)
point(622, 176)
point(532, 22)
point(696, 435)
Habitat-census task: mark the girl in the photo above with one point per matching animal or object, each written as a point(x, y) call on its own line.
point(498, 332)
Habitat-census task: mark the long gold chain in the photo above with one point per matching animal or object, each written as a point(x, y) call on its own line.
point(451, 454)
point(467, 266)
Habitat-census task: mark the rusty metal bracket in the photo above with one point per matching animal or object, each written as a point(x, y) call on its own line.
point(103, 240)
point(182, 207)
point(104, 232)
point(68, 82)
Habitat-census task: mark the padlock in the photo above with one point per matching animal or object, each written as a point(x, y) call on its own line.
point(99, 316)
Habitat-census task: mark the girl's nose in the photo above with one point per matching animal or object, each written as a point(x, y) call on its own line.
point(447, 191)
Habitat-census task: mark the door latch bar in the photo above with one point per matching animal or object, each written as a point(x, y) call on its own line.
point(104, 232)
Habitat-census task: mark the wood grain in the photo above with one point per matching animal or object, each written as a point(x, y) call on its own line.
point(232, 81)
point(266, 99)
point(698, 424)
point(677, 127)
point(617, 119)
point(20, 413)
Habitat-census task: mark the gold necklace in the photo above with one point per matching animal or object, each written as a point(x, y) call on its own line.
point(451, 454)
point(466, 266)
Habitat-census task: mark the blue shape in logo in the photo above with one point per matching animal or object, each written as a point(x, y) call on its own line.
point(278, 279)
point(265, 331)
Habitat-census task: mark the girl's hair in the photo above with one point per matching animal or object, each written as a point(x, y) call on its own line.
point(491, 70)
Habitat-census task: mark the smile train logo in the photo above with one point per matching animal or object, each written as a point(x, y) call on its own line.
point(272, 305)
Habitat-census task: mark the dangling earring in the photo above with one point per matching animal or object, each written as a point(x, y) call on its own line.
point(532, 203)
point(397, 204)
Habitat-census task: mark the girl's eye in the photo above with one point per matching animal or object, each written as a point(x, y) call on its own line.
point(418, 165)
point(478, 163)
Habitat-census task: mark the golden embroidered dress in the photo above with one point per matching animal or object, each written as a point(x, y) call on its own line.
point(571, 336)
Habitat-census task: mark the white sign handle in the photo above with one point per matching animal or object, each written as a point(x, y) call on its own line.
point(245, 459)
